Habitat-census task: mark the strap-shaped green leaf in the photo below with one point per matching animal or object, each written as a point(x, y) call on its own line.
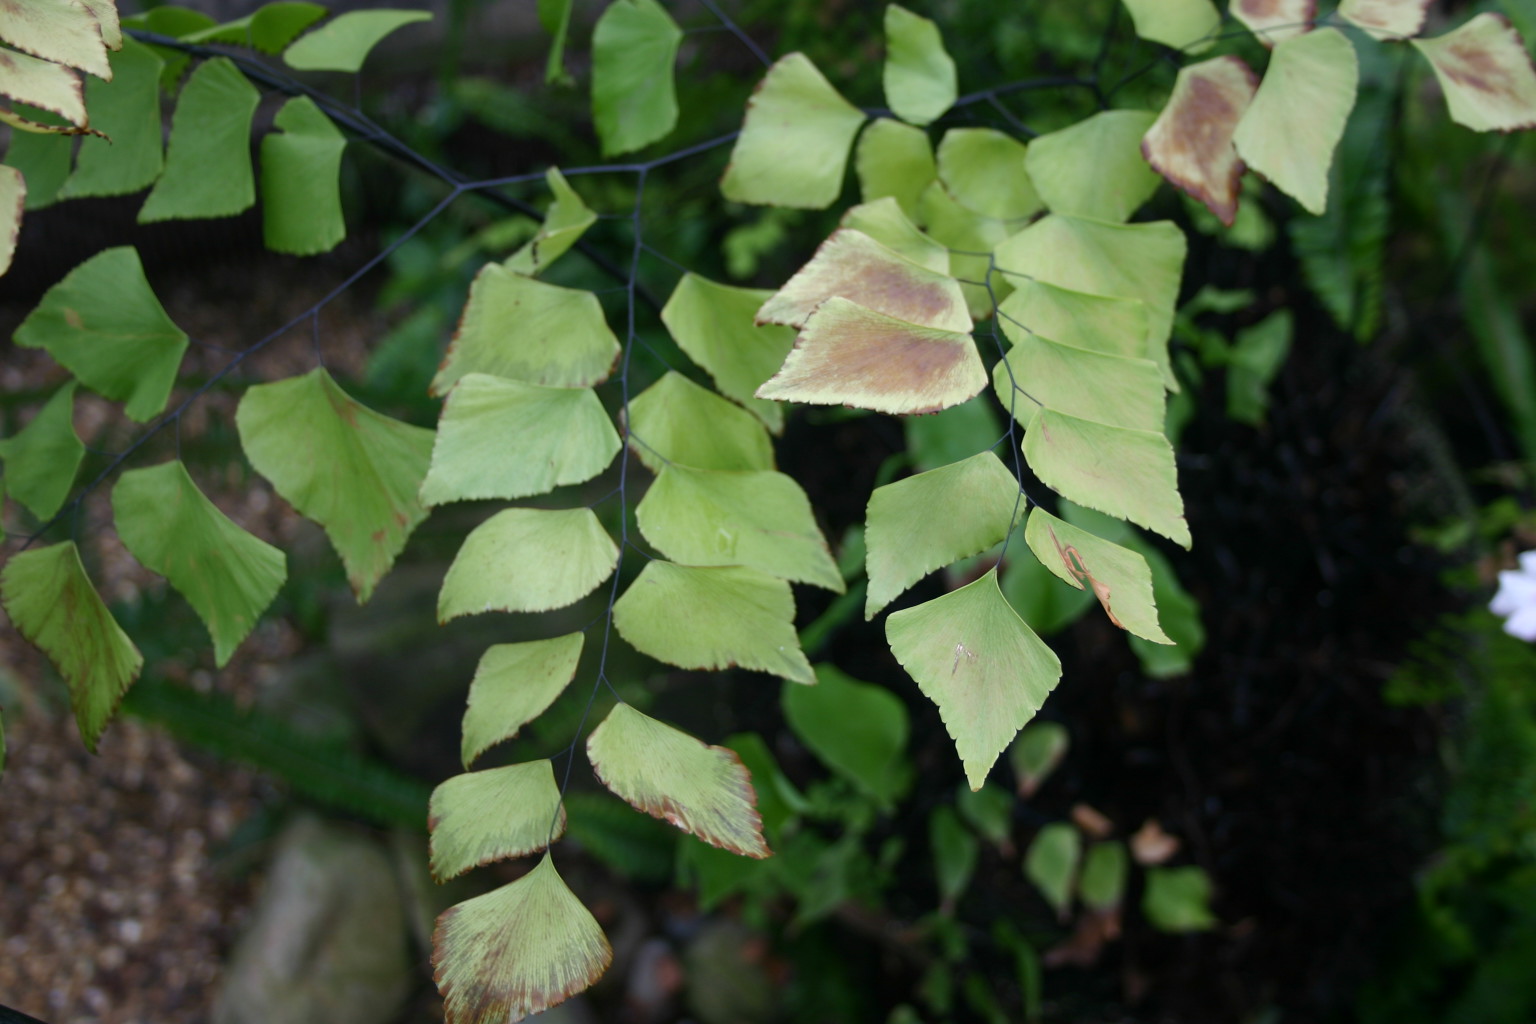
point(885, 221)
point(1051, 864)
point(1191, 142)
point(927, 521)
point(208, 158)
point(1040, 373)
point(984, 170)
point(518, 950)
point(269, 29)
point(760, 519)
point(1117, 576)
point(127, 111)
point(563, 436)
point(1187, 25)
point(555, 16)
point(42, 84)
point(713, 618)
point(51, 602)
point(972, 655)
point(1129, 261)
point(104, 324)
point(676, 420)
point(919, 74)
point(896, 160)
point(350, 469)
point(63, 31)
point(480, 817)
point(513, 685)
point(1296, 119)
point(41, 459)
point(857, 729)
point(848, 354)
point(301, 181)
point(343, 43)
point(853, 266)
point(1094, 168)
point(668, 774)
point(1486, 74)
point(228, 576)
point(528, 560)
point(1101, 323)
point(793, 147)
point(715, 325)
point(564, 223)
point(1125, 473)
point(634, 98)
point(516, 327)
point(970, 236)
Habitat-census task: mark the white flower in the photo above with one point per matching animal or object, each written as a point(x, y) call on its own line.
point(1516, 599)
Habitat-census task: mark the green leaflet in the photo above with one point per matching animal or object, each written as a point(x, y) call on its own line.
point(343, 43)
point(517, 950)
point(104, 324)
point(41, 459)
point(1128, 261)
point(1290, 130)
point(105, 13)
point(1036, 753)
point(43, 161)
point(972, 655)
point(51, 602)
point(854, 267)
point(1187, 25)
point(952, 435)
point(984, 170)
point(988, 810)
point(528, 560)
point(514, 326)
point(712, 618)
point(1105, 869)
point(634, 98)
point(301, 181)
point(564, 436)
point(1177, 612)
point(208, 159)
point(513, 685)
point(480, 817)
point(668, 774)
point(955, 849)
point(1124, 473)
point(228, 576)
point(1051, 864)
point(555, 16)
point(1178, 900)
point(969, 236)
point(919, 75)
point(1094, 168)
point(759, 519)
point(44, 85)
point(269, 29)
point(350, 469)
point(896, 160)
point(1257, 354)
point(127, 111)
point(884, 221)
point(793, 147)
point(1038, 372)
point(715, 325)
point(857, 729)
point(564, 222)
point(1117, 576)
point(676, 420)
point(925, 522)
point(1486, 74)
point(57, 30)
point(850, 355)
